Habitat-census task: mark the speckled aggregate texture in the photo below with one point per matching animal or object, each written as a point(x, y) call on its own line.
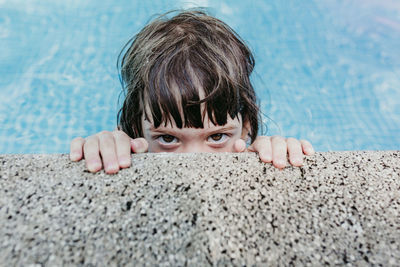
point(201, 209)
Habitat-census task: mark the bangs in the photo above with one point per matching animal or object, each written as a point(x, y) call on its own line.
point(184, 91)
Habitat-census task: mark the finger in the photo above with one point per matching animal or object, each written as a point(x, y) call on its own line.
point(123, 148)
point(307, 148)
point(91, 152)
point(108, 152)
point(279, 152)
point(262, 145)
point(139, 145)
point(76, 149)
point(239, 145)
point(295, 152)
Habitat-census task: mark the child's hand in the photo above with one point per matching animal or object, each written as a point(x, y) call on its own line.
point(275, 149)
point(114, 147)
point(115, 150)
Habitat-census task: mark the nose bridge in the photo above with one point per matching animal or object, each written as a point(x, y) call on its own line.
point(195, 146)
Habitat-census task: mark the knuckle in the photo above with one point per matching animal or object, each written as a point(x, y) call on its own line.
point(305, 143)
point(119, 134)
point(77, 142)
point(292, 140)
point(78, 139)
point(91, 139)
point(279, 140)
point(142, 140)
point(263, 139)
point(91, 144)
point(277, 137)
point(103, 134)
point(87, 145)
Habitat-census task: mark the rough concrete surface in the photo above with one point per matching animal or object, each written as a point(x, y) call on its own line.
point(201, 209)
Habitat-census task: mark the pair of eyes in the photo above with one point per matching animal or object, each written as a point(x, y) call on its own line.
point(217, 138)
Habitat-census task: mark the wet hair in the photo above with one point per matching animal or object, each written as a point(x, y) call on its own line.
point(177, 67)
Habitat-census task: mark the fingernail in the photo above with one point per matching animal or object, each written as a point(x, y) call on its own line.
point(136, 143)
point(240, 145)
point(280, 163)
point(74, 156)
point(124, 161)
point(267, 158)
point(297, 162)
point(112, 168)
point(137, 146)
point(94, 166)
point(310, 150)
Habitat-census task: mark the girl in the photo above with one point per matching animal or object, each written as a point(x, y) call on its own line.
point(188, 89)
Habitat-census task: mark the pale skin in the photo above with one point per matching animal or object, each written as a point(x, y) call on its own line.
point(112, 150)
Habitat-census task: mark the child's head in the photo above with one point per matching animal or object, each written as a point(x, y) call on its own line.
point(183, 70)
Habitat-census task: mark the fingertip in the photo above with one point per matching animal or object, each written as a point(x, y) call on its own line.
point(307, 148)
point(296, 163)
point(76, 147)
point(280, 164)
point(296, 160)
point(124, 162)
point(94, 166)
point(240, 145)
point(310, 151)
point(136, 145)
point(139, 145)
point(112, 169)
point(75, 156)
point(267, 158)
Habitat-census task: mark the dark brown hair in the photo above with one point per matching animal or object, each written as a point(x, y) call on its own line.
point(172, 61)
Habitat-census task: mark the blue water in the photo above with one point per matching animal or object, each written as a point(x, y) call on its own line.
point(326, 71)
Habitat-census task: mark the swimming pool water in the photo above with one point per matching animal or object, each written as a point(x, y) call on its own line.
point(326, 71)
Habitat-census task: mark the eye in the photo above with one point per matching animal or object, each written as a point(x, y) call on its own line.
point(217, 138)
point(167, 139)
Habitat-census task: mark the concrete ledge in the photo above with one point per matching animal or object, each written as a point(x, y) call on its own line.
point(201, 209)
